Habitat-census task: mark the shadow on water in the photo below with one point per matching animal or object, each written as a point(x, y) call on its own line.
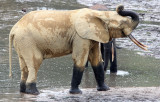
point(56, 73)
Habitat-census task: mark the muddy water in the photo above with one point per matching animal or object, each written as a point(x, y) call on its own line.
point(143, 67)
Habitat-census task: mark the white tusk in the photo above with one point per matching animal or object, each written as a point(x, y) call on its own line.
point(137, 42)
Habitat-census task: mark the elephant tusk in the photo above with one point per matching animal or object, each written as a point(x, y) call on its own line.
point(144, 47)
point(137, 41)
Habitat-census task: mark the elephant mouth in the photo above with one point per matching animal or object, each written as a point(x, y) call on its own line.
point(144, 47)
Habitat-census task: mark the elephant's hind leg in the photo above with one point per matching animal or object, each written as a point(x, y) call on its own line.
point(24, 74)
point(33, 63)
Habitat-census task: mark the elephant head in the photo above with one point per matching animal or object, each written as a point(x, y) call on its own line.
point(102, 26)
point(134, 23)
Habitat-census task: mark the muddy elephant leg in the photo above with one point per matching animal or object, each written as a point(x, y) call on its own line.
point(33, 63)
point(98, 69)
point(113, 66)
point(76, 79)
point(109, 49)
point(106, 54)
point(24, 74)
point(31, 82)
point(80, 57)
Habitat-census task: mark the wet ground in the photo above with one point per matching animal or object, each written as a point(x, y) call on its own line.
point(54, 76)
point(136, 94)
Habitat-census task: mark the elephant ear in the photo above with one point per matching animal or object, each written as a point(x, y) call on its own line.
point(91, 26)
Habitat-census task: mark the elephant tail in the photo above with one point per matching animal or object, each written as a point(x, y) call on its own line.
point(11, 36)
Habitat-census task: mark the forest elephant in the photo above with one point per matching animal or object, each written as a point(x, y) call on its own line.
point(44, 34)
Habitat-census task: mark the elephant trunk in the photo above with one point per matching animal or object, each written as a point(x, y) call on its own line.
point(133, 15)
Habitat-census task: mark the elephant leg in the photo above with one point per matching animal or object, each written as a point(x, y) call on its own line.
point(80, 57)
point(113, 66)
point(76, 80)
point(97, 66)
point(24, 74)
point(102, 51)
point(33, 64)
point(106, 59)
point(107, 54)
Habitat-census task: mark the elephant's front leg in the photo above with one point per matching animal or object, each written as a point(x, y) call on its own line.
point(76, 79)
point(80, 57)
point(98, 68)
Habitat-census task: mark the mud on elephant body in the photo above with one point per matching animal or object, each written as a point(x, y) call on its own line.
point(47, 34)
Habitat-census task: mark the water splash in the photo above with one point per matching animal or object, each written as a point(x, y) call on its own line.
point(119, 72)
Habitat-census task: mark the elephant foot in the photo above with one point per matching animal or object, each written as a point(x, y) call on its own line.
point(22, 87)
point(103, 88)
point(99, 76)
point(31, 89)
point(113, 69)
point(75, 91)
